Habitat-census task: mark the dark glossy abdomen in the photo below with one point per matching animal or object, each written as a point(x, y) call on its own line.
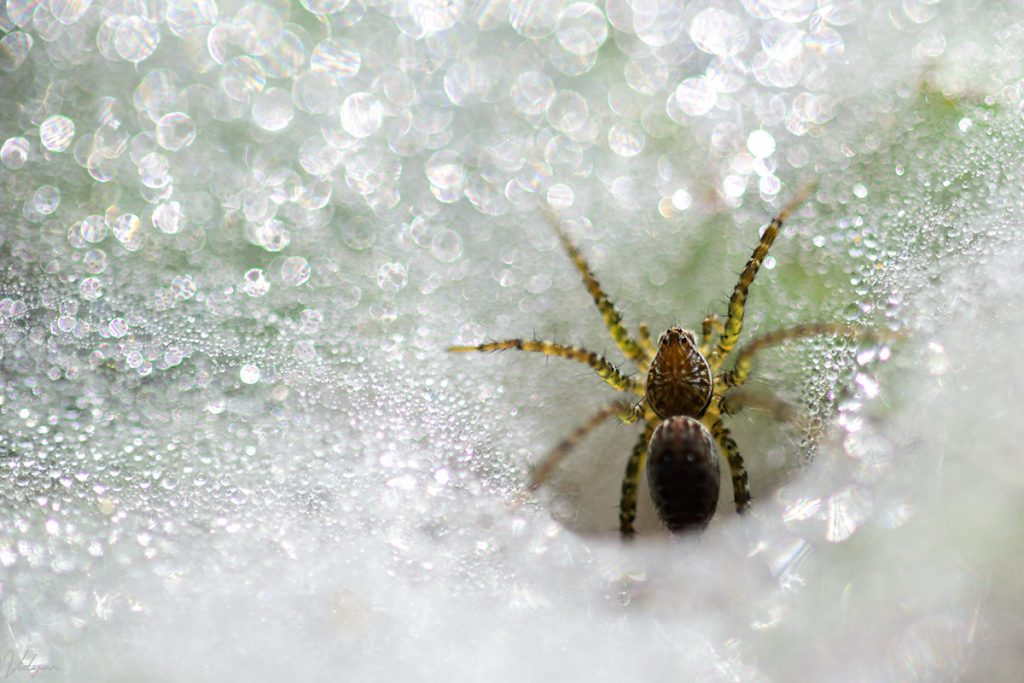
point(682, 470)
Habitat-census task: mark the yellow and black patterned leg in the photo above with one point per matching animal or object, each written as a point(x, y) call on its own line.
point(740, 486)
point(631, 482)
point(644, 337)
point(734, 323)
point(745, 356)
point(735, 400)
point(612, 318)
point(624, 410)
point(711, 326)
point(601, 366)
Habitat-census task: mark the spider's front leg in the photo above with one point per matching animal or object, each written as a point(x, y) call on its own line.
point(737, 302)
point(612, 318)
point(605, 370)
point(712, 325)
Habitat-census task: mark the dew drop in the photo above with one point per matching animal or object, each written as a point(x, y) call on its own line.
point(175, 130)
point(361, 115)
point(295, 271)
point(272, 109)
point(56, 132)
point(582, 28)
point(14, 153)
point(255, 283)
point(249, 374)
point(392, 277)
point(14, 48)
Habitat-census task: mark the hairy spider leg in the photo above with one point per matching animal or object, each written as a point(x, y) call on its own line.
point(740, 485)
point(734, 323)
point(631, 481)
point(735, 400)
point(623, 409)
point(612, 318)
point(745, 356)
point(645, 341)
point(601, 366)
point(712, 325)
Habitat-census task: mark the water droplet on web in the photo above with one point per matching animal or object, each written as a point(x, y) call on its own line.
point(56, 132)
point(532, 92)
point(568, 111)
point(257, 28)
point(581, 28)
point(175, 130)
point(46, 199)
point(694, 96)
point(533, 19)
point(657, 22)
point(136, 38)
point(183, 287)
point(14, 153)
point(358, 233)
point(168, 217)
point(560, 197)
point(128, 231)
point(93, 228)
point(761, 143)
point(190, 17)
point(154, 170)
point(446, 246)
point(14, 48)
point(117, 328)
point(392, 277)
point(272, 109)
point(626, 139)
point(90, 288)
point(336, 57)
point(446, 174)
point(255, 283)
point(295, 271)
point(718, 32)
point(249, 374)
point(361, 115)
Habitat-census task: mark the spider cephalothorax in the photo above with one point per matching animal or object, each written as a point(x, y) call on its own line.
point(679, 378)
point(683, 393)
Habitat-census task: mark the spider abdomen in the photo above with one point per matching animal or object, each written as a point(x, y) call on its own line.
point(683, 474)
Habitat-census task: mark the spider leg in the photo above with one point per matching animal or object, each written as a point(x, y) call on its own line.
point(740, 485)
point(644, 337)
point(734, 323)
point(745, 356)
point(612, 318)
point(631, 482)
point(712, 325)
point(625, 411)
point(601, 366)
point(736, 400)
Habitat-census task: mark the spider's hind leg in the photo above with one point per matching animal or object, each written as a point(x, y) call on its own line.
point(745, 357)
point(738, 472)
point(631, 482)
point(624, 410)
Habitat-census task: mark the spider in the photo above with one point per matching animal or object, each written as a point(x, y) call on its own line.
point(684, 391)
